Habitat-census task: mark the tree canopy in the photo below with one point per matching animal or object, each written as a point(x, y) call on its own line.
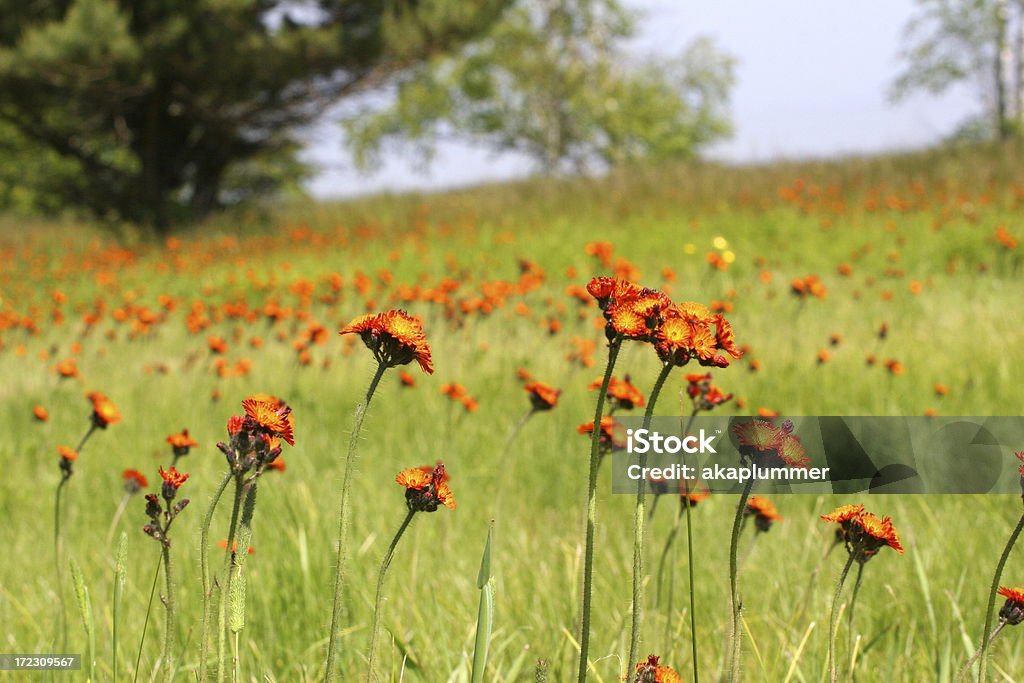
point(156, 110)
point(553, 79)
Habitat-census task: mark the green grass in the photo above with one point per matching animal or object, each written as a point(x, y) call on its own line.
point(920, 614)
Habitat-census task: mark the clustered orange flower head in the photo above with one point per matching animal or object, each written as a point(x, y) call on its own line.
point(769, 446)
point(763, 511)
point(1012, 611)
point(607, 441)
point(67, 368)
point(621, 393)
point(703, 394)
point(40, 413)
point(406, 379)
point(134, 481)
point(542, 396)
point(651, 671)
point(808, 285)
point(68, 456)
point(601, 250)
point(394, 337)
point(426, 488)
point(629, 309)
point(173, 480)
point(104, 412)
point(1005, 238)
point(181, 443)
point(691, 331)
point(863, 532)
point(460, 394)
point(256, 437)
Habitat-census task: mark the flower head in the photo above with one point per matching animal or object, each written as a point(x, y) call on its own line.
point(104, 412)
point(863, 532)
point(68, 456)
point(764, 512)
point(651, 671)
point(173, 479)
point(1012, 611)
point(770, 446)
point(181, 443)
point(134, 481)
point(621, 392)
point(394, 337)
point(426, 488)
point(542, 396)
point(607, 440)
point(275, 417)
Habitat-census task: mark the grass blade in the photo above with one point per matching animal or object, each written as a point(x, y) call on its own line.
point(85, 609)
point(120, 577)
point(485, 616)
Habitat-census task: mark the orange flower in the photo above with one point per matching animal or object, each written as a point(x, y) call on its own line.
point(844, 513)
point(691, 493)
point(104, 412)
point(40, 413)
point(173, 479)
point(181, 443)
point(863, 532)
point(67, 453)
point(272, 416)
point(1012, 611)
point(426, 488)
point(652, 672)
point(764, 512)
point(542, 396)
point(217, 344)
point(690, 330)
point(67, 368)
point(394, 337)
point(770, 446)
point(621, 392)
point(134, 481)
point(406, 379)
point(879, 532)
point(607, 439)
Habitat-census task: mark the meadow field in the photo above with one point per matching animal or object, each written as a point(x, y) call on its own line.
point(916, 311)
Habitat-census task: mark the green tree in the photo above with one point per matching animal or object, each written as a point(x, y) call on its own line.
point(158, 110)
point(553, 80)
point(976, 42)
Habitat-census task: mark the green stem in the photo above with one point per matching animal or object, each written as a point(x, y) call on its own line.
point(204, 565)
point(853, 603)
point(977, 653)
point(588, 551)
point(689, 562)
point(379, 600)
point(346, 484)
point(638, 534)
point(225, 574)
point(734, 602)
point(118, 513)
point(145, 623)
point(234, 554)
point(992, 597)
point(58, 551)
point(169, 606)
point(833, 618)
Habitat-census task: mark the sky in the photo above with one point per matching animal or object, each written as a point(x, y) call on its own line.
point(811, 80)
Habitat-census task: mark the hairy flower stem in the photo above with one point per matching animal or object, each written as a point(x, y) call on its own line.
point(222, 611)
point(977, 653)
point(693, 599)
point(378, 602)
point(204, 565)
point(985, 638)
point(588, 549)
point(58, 552)
point(833, 618)
point(168, 600)
point(734, 602)
point(853, 604)
point(638, 534)
point(346, 484)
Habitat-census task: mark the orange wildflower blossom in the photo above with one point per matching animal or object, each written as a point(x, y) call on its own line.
point(763, 511)
point(691, 331)
point(692, 492)
point(629, 309)
point(256, 437)
point(394, 337)
point(651, 671)
point(104, 412)
point(134, 481)
point(275, 417)
point(68, 456)
point(766, 445)
point(704, 395)
point(40, 413)
point(608, 442)
point(1012, 611)
point(542, 396)
point(173, 480)
point(426, 488)
point(863, 532)
point(181, 443)
point(621, 393)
